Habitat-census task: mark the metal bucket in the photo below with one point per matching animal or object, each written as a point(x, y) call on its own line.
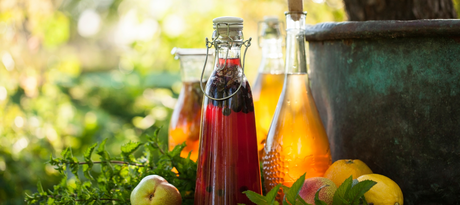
point(388, 93)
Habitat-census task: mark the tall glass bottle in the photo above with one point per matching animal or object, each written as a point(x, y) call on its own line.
point(297, 142)
point(269, 81)
point(185, 120)
point(228, 162)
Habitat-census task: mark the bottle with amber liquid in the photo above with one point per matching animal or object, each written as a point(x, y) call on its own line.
point(186, 118)
point(228, 162)
point(297, 142)
point(269, 81)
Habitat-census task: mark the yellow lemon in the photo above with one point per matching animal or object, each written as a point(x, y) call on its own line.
point(344, 168)
point(385, 192)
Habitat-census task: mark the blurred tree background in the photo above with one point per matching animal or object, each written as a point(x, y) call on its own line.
point(74, 72)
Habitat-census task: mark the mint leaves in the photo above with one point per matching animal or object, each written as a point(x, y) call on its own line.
point(264, 200)
point(351, 192)
point(110, 179)
point(293, 193)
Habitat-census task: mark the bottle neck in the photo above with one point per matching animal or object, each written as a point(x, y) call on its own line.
point(228, 57)
point(272, 56)
point(192, 65)
point(295, 44)
point(228, 42)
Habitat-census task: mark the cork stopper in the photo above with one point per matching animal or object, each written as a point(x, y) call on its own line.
point(295, 6)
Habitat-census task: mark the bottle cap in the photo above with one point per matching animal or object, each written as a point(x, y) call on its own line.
point(269, 27)
point(271, 19)
point(232, 22)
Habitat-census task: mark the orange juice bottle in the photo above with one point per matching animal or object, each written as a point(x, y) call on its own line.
point(185, 121)
point(297, 142)
point(269, 81)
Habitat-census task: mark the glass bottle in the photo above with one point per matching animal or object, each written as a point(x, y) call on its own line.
point(297, 142)
point(269, 81)
point(185, 120)
point(228, 162)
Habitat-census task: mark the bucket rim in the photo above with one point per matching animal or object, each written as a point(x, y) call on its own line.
point(383, 29)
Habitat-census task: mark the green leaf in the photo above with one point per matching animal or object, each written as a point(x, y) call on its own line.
point(300, 201)
point(74, 169)
point(340, 194)
point(363, 199)
point(177, 150)
point(284, 201)
point(89, 163)
point(53, 161)
point(256, 198)
point(157, 131)
point(317, 200)
point(358, 191)
point(271, 195)
point(293, 192)
point(89, 152)
point(28, 196)
point(285, 188)
point(66, 154)
point(103, 153)
point(40, 188)
point(101, 148)
point(130, 147)
point(86, 172)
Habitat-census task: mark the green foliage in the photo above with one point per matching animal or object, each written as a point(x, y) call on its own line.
point(269, 199)
point(292, 194)
point(349, 193)
point(119, 174)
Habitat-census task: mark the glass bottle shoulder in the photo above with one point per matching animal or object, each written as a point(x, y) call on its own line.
point(297, 121)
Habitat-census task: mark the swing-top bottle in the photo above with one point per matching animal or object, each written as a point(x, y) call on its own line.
point(228, 162)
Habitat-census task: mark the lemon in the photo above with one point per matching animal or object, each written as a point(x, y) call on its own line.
point(344, 168)
point(385, 192)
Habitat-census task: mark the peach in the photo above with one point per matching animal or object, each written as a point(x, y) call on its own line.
point(155, 190)
point(311, 186)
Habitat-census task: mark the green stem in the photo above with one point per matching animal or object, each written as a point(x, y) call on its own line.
point(114, 162)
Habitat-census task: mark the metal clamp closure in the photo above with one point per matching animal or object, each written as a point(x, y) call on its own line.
point(214, 42)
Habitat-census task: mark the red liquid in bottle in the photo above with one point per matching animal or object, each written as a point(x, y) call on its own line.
point(228, 162)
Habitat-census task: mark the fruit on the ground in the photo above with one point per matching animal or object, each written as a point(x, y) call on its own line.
point(385, 192)
point(155, 190)
point(311, 186)
point(344, 168)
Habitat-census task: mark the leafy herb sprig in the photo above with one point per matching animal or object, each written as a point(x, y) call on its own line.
point(351, 192)
point(118, 175)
